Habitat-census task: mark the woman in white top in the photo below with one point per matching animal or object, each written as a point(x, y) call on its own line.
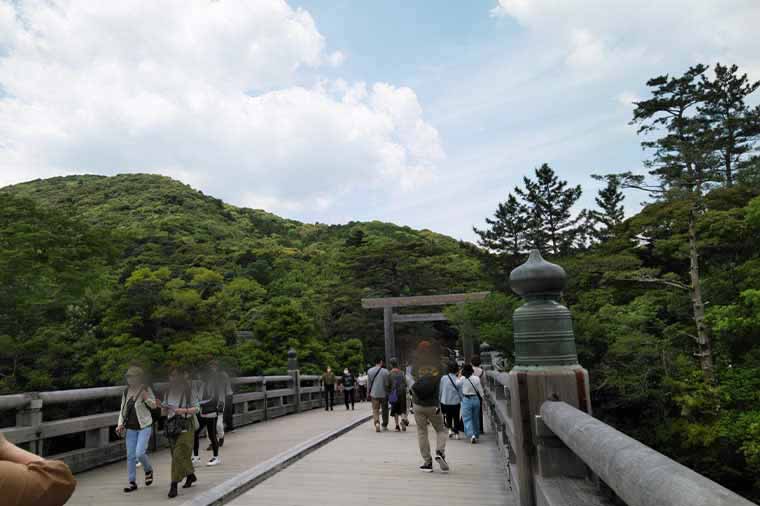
point(472, 396)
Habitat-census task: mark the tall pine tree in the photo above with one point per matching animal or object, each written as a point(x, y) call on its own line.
point(734, 127)
point(551, 225)
point(611, 212)
point(506, 231)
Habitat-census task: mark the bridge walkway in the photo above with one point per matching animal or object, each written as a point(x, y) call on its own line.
point(364, 467)
point(243, 449)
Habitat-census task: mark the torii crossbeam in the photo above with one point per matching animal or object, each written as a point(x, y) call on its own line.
point(390, 317)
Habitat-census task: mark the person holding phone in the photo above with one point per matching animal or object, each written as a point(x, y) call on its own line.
point(180, 406)
point(136, 425)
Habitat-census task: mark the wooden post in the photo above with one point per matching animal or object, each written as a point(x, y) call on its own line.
point(390, 338)
point(31, 416)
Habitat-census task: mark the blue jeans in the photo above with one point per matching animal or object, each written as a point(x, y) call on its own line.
point(471, 416)
point(137, 444)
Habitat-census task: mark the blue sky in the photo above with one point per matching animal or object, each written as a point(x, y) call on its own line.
point(421, 113)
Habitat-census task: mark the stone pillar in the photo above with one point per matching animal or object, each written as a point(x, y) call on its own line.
point(296, 375)
point(31, 416)
point(546, 368)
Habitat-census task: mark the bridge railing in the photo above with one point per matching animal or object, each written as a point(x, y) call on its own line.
point(578, 459)
point(255, 398)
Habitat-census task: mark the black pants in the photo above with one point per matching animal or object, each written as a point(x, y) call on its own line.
point(348, 395)
point(329, 397)
point(451, 416)
point(229, 411)
point(210, 425)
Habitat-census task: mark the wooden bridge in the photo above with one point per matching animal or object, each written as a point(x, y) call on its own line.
point(542, 447)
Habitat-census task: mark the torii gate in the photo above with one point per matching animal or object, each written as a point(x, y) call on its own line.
point(390, 317)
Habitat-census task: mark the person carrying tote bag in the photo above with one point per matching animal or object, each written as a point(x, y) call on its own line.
point(472, 395)
point(180, 406)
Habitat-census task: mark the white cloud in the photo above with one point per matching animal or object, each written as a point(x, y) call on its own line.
point(611, 35)
point(224, 94)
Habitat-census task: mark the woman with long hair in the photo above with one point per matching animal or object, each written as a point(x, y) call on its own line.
point(136, 425)
point(472, 396)
point(180, 406)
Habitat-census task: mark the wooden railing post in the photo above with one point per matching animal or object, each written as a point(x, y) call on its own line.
point(296, 375)
point(31, 416)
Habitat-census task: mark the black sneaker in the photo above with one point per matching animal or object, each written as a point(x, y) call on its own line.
point(441, 459)
point(427, 467)
point(131, 488)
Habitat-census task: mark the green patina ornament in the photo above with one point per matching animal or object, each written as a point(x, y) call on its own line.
point(543, 328)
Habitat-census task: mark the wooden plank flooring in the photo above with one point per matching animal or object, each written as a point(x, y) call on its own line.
point(363, 467)
point(243, 449)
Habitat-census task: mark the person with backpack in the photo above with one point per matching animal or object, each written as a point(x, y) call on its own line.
point(472, 398)
point(451, 400)
point(212, 394)
point(349, 388)
point(378, 393)
point(136, 425)
point(397, 395)
point(180, 405)
point(426, 392)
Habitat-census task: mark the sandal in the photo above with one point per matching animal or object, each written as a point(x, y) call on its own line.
point(131, 488)
point(149, 479)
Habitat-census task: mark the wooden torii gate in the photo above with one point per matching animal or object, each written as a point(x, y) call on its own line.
point(390, 317)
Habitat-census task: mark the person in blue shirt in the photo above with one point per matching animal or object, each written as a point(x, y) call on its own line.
point(451, 400)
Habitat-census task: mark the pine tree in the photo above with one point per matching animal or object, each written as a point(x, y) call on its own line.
point(734, 127)
point(611, 212)
point(506, 232)
point(550, 222)
point(684, 161)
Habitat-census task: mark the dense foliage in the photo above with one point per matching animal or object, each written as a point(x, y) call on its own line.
point(97, 272)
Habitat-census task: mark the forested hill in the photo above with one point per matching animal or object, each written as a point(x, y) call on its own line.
point(98, 271)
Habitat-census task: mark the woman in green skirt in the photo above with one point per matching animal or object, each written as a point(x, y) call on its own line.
point(180, 406)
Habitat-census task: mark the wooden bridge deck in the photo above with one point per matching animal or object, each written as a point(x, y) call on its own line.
point(364, 467)
point(243, 449)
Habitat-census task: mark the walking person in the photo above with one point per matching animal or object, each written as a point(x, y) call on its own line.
point(180, 407)
point(397, 395)
point(472, 397)
point(426, 392)
point(361, 381)
point(211, 405)
point(349, 388)
point(136, 425)
point(451, 400)
point(328, 380)
point(378, 378)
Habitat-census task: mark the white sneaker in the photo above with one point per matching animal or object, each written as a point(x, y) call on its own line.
point(473, 440)
point(456, 436)
point(215, 461)
point(139, 464)
point(451, 433)
point(196, 459)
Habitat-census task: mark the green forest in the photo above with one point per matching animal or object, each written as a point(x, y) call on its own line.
point(96, 272)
